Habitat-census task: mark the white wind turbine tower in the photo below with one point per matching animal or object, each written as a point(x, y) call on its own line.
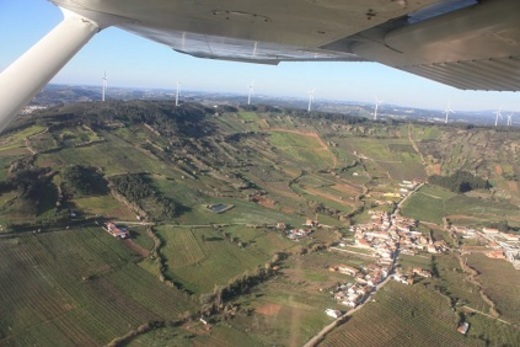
point(447, 112)
point(510, 119)
point(311, 98)
point(105, 85)
point(498, 113)
point(251, 92)
point(177, 91)
point(376, 108)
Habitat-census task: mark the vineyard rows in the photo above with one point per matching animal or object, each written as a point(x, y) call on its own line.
point(80, 288)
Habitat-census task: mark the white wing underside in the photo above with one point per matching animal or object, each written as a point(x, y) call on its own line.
point(468, 44)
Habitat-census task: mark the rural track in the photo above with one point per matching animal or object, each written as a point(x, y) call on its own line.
point(28, 141)
point(400, 204)
point(60, 229)
point(416, 148)
point(472, 278)
point(490, 316)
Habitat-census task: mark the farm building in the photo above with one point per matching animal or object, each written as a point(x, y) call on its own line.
point(219, 208)
point(463, 328)
point(115, 231)
point(333, 313)
point(348, 270)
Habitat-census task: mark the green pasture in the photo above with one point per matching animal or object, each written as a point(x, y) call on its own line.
point(201, 258)
point(432, 203)
point(454, 281)
point(114, 157)
point(305, 150)
point(104, 205)
point(17, 139)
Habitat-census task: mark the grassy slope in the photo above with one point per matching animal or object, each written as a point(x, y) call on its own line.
point(431, 203)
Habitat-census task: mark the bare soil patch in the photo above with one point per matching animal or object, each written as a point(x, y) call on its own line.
point(513, 186)
point(136, 248)
point(346, 188)
point(315, 191)
point(437, 169)
point(15, 151)
point(499, 170)
point(268, 309)
point(263, 201)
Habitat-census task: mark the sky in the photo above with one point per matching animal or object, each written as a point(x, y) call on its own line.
point(132, 61)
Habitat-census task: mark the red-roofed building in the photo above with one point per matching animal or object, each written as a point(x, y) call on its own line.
point(113, 230)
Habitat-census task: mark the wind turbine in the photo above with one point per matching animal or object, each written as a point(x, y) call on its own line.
point(498, 114)
point(311, 97)
point(376, 107)
point(177, 91)
point(447, 112)
point(510, 119)
point(251, 92)
point(105, 85)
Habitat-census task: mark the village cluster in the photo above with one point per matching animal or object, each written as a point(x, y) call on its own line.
point(385, 236)
point(387, 231)
point(502, 245)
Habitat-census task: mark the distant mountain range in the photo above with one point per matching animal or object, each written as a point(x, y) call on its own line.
point(54, 94)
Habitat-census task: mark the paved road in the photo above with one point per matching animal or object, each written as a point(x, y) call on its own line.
point(400, 204)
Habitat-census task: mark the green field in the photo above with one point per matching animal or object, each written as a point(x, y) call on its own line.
point(78, 287)
point(454, 281)
point(304, 150)
point(222, 335)
point(104, 205)
point(17, 139)
point(407, 262)
point(289, 308)
point(123, 158)
point(77, 136)
point(201, 258)
point(432, 203)
point(243, 213)
point(401, 316)
point(501, 282)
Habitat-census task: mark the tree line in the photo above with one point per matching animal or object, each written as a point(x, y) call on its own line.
point(138, 187)
point(460, 182)
point(85, 180)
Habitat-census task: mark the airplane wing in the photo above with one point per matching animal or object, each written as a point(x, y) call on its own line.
point(468, 44)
